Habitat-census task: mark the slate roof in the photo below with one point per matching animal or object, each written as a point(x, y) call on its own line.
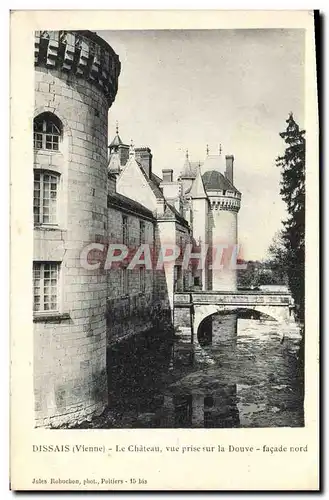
point(122, 202)
point(214, 181)
point(152, 181)
point(116, 141)
point(189, 169)
point(178, 216)
point(156, 178)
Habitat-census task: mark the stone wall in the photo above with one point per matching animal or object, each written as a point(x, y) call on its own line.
point(183, 238)
point(183, 321)
point(70, 347)
point(201, 236)
point(139, 308)
point(224, 233)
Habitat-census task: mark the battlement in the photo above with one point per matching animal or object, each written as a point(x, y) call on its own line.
point(223, 202)
point(81, 53)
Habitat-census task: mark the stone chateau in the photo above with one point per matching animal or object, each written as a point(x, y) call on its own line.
point(86, 191)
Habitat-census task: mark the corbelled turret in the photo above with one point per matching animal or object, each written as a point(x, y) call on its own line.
point(225, 201)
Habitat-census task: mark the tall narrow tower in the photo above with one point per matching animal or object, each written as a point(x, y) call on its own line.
point(76, 81)
point(225, 202)
point(200, 207)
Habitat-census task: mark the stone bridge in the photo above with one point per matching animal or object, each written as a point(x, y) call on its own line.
point(191, 308)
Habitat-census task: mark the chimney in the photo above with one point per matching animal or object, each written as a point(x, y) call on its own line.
point(229, 167)
point(167, 175)
point(144, 157)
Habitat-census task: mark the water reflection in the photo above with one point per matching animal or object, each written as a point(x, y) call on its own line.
point(183, 410)
point(239, 374)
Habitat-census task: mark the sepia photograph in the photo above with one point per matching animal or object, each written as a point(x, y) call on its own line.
point(169, 199)
point(169, 282)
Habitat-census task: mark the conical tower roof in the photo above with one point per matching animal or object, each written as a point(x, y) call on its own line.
point(117, 140)
point(187, 171)
point(198, 189)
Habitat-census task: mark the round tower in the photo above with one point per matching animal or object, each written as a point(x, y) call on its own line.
point(225, 202)
point(76, 78)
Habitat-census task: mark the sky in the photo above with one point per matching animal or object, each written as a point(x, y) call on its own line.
point(184, 89)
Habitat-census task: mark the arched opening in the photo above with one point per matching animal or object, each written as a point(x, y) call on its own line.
point(246, 313)
point(224, 324)
point(47, 132)
point(205, 332)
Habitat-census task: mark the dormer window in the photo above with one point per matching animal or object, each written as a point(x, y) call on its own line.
point(47, 132)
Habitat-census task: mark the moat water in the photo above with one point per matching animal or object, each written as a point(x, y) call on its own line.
point(247, 373)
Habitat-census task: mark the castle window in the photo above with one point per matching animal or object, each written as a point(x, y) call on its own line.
point(125, 230)
point(45, 198)
point(197, 281)
point(141, 232)
point(178, 285)
point(124, 281)
point(142, 279)
point(45, 286)
point(46, 132)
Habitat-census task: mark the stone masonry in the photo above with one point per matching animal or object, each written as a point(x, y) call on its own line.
point(76, 78)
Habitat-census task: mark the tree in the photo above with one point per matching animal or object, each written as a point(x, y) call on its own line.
point(278, 259)
point(248, 277)
point(258, 273)
point(292, 165)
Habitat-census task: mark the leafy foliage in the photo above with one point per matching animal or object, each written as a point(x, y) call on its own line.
point(278, 259)
point(258, 273)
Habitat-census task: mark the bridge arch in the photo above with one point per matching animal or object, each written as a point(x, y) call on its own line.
point(203, 311)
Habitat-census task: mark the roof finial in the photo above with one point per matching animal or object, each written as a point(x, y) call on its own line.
point(117, 127)
point(220, 149)
point(207, 150)
point(186, 154)
point(132, 148)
